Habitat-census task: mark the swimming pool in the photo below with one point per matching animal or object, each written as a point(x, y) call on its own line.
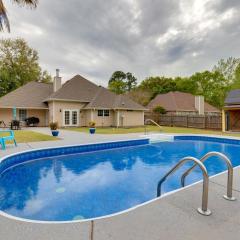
point(84, 182)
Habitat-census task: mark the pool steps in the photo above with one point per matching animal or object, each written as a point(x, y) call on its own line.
point(204, 208)
point(159, 137)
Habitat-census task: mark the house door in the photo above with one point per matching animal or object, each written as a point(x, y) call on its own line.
point(71, 118)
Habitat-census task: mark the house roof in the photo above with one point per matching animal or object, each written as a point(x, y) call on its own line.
point(30, 95)
point(79, 89)
point(178, 101)
point(233, 97)
point(76, 89)
point(106, 99)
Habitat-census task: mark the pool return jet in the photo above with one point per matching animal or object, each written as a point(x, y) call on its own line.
point(204, 208)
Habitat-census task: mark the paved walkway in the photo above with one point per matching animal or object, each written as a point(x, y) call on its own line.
point(67, 138)
point(173, 217)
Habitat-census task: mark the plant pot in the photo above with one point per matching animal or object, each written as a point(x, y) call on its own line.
point(92, 130)
point(55, 133)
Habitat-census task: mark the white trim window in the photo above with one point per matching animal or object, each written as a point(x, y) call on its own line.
point(22, 114)
point(103, 113)
point(70, 117)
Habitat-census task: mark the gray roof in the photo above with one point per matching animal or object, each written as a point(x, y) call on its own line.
point(106, 99)
point(76, 89)
point(79, 89)
point(30, 95)
point(233, 97)
point(178, 101)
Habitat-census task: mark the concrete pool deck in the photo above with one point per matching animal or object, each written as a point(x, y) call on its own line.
point(172, 217)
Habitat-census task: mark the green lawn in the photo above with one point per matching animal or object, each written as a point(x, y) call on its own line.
point(30, 136)
point(153, 129)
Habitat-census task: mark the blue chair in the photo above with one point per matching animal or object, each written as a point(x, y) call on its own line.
point(11, 137)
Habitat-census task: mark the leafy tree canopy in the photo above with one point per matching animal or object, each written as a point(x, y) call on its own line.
point(121, 82)
point(158, 85)
point(18, 65)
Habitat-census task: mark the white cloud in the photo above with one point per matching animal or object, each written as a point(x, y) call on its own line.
point(95, 38)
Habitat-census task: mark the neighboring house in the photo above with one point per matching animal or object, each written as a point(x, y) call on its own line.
point(180, 103)
point(231, 111)
point(75, 103)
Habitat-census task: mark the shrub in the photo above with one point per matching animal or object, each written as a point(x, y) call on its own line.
point(53, 126)
point(159, 109)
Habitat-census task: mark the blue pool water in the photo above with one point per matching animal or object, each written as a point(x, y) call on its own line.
point(89, 185)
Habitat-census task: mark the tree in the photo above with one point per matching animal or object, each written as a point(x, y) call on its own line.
point(157, 85)
point(186, 84)
point(4, 21)
point(212, 85)
point(18, 65)
point(228, 68)
point(140, 96)
point(121, 82)
point(131, 81)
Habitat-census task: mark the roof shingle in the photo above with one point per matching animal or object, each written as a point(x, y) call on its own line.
point(76, 89)
point(178, 101)
point(30, 95)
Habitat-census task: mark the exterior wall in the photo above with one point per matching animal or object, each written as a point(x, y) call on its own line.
point(92, 115)
point(39, 113)
point(121, 118)
point(126, 118)
point(6, 115)
point(131, 118)
point(56, 111)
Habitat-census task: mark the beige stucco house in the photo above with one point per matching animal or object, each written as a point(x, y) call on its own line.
point(72, 104)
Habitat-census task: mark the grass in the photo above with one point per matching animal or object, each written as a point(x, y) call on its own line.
point(23, 136)
point(154, 129)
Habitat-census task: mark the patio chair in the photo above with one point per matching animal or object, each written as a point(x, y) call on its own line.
point(3, 124)
point(10, 137)
point(15, 125)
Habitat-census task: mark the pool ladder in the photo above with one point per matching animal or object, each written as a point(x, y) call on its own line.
point(153, 122)
point(204, 208)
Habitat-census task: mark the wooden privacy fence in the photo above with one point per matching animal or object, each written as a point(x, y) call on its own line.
point(188, 121)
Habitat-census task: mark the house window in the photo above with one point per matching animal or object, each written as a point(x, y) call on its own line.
point(106, 113)
point(103, 113)
point(100, 113)
point(67, 117)
point(22, 114)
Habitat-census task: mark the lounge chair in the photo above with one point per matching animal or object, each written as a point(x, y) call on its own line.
point(10, 137)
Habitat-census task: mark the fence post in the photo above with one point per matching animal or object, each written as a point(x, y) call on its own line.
point(187, 121)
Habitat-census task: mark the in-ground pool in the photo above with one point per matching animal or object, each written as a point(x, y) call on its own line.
point(98, 183)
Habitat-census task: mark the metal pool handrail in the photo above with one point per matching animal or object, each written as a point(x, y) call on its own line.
point(230, 173)
point(204, 209)
point(150, 120)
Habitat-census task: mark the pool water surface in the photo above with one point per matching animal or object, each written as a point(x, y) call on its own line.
point(95, 184)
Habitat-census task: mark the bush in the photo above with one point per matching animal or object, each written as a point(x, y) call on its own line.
point(159, 109)
point(53, 126)
point(32, 121)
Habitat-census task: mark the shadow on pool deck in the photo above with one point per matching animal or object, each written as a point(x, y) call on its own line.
point(173, 217)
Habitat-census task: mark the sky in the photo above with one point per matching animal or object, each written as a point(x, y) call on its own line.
point(94, 38)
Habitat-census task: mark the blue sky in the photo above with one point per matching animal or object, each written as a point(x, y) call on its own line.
point(146, 37)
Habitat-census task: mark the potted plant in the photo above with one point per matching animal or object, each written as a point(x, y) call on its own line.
point(54, 127)
point(92, 128)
